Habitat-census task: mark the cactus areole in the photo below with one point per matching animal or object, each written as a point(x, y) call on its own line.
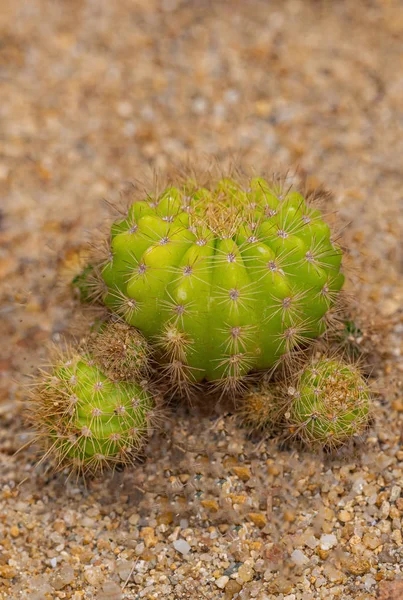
point(223, 281)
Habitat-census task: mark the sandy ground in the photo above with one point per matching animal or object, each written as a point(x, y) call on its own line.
point(96, 93)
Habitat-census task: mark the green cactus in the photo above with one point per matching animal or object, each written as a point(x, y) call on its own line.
point(223, 281)
point(85, 420)
point(329, 404)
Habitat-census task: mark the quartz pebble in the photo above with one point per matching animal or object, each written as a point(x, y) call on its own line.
point(371, 541)
point(62, 577)
point(395, 493)
point(245, 572)
point(110, 591)
point(221, 582)
point(181, 546)
point(345, 516)
point(299, 558)
point(124, 568)
point(328, 541)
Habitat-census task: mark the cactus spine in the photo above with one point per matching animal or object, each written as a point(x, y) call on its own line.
point(260, 408)
point(121, 351)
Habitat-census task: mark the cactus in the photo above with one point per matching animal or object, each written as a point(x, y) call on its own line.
point(121, 351)
point(85, 420)
point(223, 281)
point(260, 408)
point(329, 404)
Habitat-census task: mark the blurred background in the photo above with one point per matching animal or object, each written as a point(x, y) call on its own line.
point(95, 93)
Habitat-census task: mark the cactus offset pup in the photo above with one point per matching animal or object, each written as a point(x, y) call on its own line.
point(85, 420)
point(223, 281)
point(260, 408)
point(330, 403)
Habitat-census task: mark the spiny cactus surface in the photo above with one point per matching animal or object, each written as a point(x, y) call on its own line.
point(223, 281)
point(121, 351)
point(87, 421)
point(330, 404)
point(260, 408)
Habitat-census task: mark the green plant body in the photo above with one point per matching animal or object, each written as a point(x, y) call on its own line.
point(223, 281)
point(330, 404)
point(87, 421)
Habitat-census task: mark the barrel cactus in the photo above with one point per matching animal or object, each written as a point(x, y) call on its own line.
point(85, 420)
point(223, 281)
point(330, 403)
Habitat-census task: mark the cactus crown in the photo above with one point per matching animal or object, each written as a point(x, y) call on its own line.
point(88, 421)
point(223, 281)
point(330, 403)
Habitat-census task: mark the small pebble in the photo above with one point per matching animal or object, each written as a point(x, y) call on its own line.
point(221, 582)
point(345, 516)
point(181, 546)
point(371, 541)
point(395, 493)
point(299, 558)
point(245, 572)
point(62, 577)
point(124, 568)
point(110, 591)
point(328, 541)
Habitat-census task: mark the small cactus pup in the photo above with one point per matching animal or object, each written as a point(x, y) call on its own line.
point(121, 351)
point(259, 409)
point(86, 421)
point(223, 280)
point(330, 403)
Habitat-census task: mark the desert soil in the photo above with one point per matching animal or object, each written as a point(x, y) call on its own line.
point(95, 94)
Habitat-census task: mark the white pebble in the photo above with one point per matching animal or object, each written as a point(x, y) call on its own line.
point(328, 541)
point(299, 558)
point(199, 105)
point(124, 109)
point(53, 562)
point(222, 582)
point(181, 546)
point(395, 493)
point(358, 486)
point(369, 581)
